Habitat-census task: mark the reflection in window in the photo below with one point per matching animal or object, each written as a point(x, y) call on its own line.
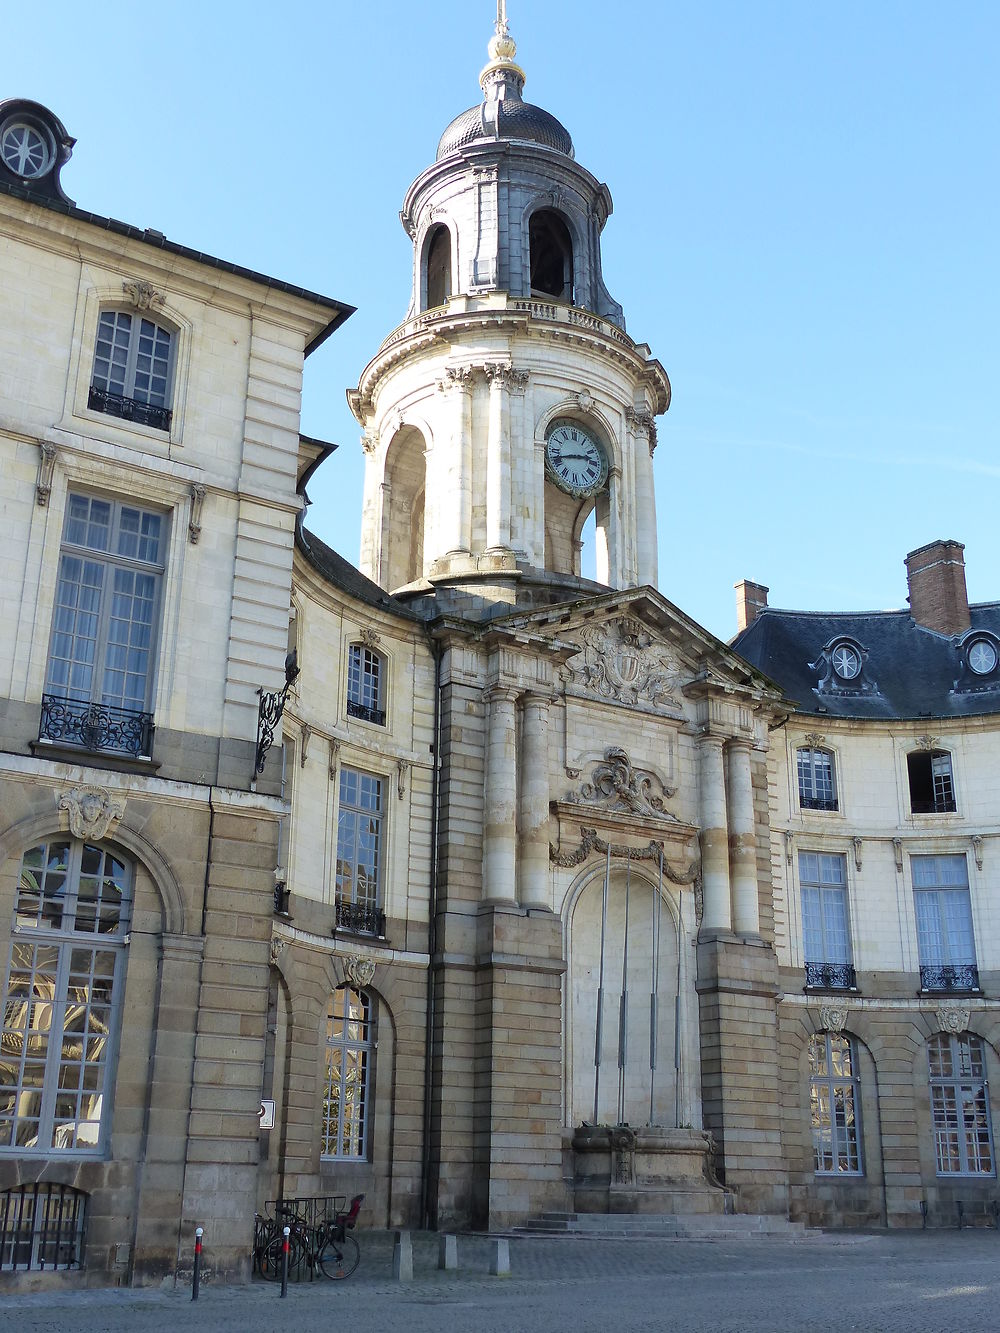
point(960, 1105)
point(835, 1105)
point(133, 360)
point(349, 1045)
point(817, 790)
point(62, 996)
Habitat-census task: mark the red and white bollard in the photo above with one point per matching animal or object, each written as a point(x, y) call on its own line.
point(285, 1247)
point(196, 1276)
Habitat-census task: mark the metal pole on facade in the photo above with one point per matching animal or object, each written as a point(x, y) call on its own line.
point(600, 988)
point(654, 935)
point(677, 1024)
point(623, 1003)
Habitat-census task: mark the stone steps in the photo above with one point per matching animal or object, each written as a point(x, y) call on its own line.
point(623, 1226)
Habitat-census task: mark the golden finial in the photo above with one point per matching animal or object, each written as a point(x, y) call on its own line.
point(502, 47)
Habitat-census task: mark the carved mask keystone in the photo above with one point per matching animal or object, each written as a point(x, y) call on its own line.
point(92, 811)
point(359, 970)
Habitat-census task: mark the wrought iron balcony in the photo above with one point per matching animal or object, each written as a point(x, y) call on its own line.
point(376, 715)
point(817, 802)
point(831, 976)
point(96, 726)
point(129, 409)
point(282, 893)
point(949, 977)
point(360, 918)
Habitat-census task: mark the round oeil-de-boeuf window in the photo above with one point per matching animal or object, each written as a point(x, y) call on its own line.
point(24, 149)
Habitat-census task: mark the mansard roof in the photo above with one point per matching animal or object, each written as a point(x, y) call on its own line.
point(911, 672)
point(343, 575)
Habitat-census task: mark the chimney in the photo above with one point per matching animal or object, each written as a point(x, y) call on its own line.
point(751, 599)
point(935, 574)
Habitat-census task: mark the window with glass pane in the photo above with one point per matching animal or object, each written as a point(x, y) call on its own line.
point(823, 886)
point(944, 913)
point(349, 1046)
point(364, 684)
point(62, 997)
point(359, 838)
point(104, 622)
point(817, 790)
point(835, 1105)
point(132, 368)
point(960, 1105)
point(932, 791)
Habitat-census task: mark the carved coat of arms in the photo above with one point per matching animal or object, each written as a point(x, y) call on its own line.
point(620, 660)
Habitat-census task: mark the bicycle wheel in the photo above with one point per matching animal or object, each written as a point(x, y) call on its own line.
point(339, 1258)
point(270, 1260)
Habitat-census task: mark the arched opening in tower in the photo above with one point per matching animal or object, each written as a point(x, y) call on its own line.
point(551, 255)
point(438, 263)
point(402, 560)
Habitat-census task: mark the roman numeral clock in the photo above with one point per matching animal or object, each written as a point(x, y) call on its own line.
point(574, 460)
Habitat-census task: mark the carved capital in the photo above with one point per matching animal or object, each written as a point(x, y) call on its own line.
point(456, 377)
point(503, 376)
point(359, 970)
point(369, 441)
point(641, 422)
point(142, 294)
point(91, 811)
point(952, 1018)
point(194, 523)
point(46, 466)
point(833, 1017)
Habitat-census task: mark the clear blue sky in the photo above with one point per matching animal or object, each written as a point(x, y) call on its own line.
point(807, 214)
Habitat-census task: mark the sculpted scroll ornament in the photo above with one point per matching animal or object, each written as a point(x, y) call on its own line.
point(619, 660)
point(92, 811)
point(618, 786)
point(833, 1017)
point(359, 970)
point(953, 1018)
point(590, 842)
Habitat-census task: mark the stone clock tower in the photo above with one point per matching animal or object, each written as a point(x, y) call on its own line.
point(599, 759)
point(511, 405)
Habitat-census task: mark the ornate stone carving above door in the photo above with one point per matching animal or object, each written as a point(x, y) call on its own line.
point(620, 660)
point(618, 786)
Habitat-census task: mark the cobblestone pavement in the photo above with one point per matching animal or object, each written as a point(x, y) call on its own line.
point(899, 1283)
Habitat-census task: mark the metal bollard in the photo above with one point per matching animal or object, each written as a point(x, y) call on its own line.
point(448, 1252)
point(923, 1214)
point(284, 1260)
point(500, 1257)
point(960, 1208)
point(402, 1257)
point(196, 1276)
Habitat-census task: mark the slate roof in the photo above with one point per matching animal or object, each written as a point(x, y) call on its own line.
point(909, 671)
point(343, 575)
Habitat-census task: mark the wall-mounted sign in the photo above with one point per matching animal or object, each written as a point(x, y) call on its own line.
point(267, 1115)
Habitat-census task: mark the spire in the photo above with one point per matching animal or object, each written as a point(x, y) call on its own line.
point(502, 49)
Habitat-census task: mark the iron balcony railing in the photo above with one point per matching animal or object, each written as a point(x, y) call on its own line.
point(818, 802)
point(282, 893)
point(949, 977)
point(360, 918)
point(831, 976)
point(129, 409)
point(96, 726)
point(376, 715)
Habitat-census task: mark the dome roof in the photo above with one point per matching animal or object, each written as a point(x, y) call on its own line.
point(512, 119)
point(503, 114)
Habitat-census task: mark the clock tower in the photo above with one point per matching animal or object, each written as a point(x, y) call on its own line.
point(511, 405)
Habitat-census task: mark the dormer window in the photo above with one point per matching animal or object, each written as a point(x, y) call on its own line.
point(365, 684)
point(982, 657)
point(817, 788)
point(846, 660)
point(932, 790)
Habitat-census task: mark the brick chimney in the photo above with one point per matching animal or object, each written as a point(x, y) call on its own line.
point(751, 598)
point(935, 574)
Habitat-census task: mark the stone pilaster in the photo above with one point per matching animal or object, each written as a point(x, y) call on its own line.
point(500, 797)
point(742, 840)
point(454, 514)
point(503, 381)
point(533, 806)
point(717, 912)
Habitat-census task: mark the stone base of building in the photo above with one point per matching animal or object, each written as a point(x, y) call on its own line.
point(618, 1169)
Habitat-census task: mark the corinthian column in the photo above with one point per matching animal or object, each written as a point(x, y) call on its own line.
point(500, 797)
point(716, 912)
point(533, 809)
point(742, 841)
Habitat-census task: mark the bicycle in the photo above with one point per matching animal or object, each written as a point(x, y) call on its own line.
point(325, 1245)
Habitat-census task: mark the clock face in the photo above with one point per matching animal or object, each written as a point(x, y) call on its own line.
point(575, 461)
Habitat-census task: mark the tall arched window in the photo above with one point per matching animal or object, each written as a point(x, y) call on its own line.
point(346, 1075)
point(817, 784)
point(551, 255)
point(62, 998)
point(133, 369)
point(932, 788)
point(960, 1105)
point(835, 1105)
point(365, 684)
point(438, 266)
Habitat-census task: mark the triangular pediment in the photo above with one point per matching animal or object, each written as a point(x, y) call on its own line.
point(636, 649)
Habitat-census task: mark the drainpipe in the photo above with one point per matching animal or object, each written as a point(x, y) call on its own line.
point(425, 1165)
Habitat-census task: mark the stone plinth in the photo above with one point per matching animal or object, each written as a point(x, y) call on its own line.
point(650, 1170)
